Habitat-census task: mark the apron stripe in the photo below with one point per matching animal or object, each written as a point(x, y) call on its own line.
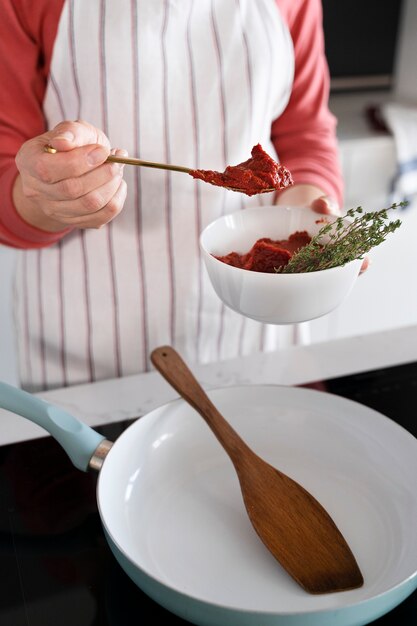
point(81, 233)
point(73, 57)
point(168, 191)
point(265, 22)
point(224, 144)
point(89, 347)
point(41, 320)
point(118, 364)
point(144, 344)
point(248, 68)
point(250, 93)
point(197, 191)
point(26, 318)
point(265, 18)
point(103, 77)
point(221, 75)
point(61, 273)
point(63, 350)
point(54, 85)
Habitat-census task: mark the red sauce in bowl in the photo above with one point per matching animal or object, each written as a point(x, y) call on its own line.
point(259, 174)
point(266, 255)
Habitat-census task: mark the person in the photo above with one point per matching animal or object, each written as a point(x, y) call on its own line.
point(108, 263)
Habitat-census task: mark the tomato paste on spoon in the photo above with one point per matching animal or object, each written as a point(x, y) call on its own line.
point(259, 174)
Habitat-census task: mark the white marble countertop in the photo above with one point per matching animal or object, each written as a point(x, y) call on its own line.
point(123, 398)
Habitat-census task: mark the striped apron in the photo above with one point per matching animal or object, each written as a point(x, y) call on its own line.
point(191, 82)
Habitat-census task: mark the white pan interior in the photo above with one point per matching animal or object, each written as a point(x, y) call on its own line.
point(170, 500)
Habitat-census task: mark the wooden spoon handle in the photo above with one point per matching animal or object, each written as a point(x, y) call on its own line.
point(172, 367)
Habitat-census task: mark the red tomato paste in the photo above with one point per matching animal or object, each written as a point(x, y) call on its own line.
point(266, 255)
point(259, 174)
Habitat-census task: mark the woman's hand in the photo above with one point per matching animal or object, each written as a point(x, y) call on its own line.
point(73, 188)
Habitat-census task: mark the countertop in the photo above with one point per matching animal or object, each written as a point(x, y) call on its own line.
point(113, 400)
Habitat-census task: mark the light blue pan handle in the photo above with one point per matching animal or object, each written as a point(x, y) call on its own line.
point(78, 440)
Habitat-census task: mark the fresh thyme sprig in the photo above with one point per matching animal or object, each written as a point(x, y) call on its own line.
point(338, 242)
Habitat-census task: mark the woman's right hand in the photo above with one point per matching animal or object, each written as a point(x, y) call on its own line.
point(73, 188)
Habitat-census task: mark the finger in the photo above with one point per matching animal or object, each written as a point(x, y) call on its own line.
point(68, 135)
point(108, 212)
point(80, 148)
point(73, 188)
point(365, 264)
point(77, 186)
point(86, 205)
point(48, 168)
point(325, 205)
point(78, 162)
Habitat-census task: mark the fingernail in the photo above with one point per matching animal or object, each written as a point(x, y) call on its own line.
point(96, 156)
point(67, 135)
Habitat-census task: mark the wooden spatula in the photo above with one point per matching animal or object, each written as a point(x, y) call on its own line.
point(294, 527)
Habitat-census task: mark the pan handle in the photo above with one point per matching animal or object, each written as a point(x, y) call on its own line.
point(78, 440)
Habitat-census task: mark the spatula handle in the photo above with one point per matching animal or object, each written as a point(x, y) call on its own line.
point(172, 367)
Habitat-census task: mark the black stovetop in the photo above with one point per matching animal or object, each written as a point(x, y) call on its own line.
point(56, 568)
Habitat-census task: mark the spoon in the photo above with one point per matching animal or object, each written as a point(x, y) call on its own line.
point(176, 168)
point(162, 166)
point(292, 524)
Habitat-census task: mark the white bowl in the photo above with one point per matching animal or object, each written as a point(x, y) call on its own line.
point(272, 298)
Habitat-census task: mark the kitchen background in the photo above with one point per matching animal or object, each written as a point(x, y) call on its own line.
point(373, 61)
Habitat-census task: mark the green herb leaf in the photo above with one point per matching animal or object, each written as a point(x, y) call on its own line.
point(340, 242)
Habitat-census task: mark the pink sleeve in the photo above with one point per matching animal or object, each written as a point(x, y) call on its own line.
point(305, 134)
point(25, 54)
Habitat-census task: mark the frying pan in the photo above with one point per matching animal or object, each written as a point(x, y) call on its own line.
point(171, 509)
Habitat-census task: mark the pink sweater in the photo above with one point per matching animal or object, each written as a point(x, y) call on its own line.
point(304, 135)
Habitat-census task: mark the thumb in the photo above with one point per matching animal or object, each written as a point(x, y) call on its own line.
point(69, 135)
